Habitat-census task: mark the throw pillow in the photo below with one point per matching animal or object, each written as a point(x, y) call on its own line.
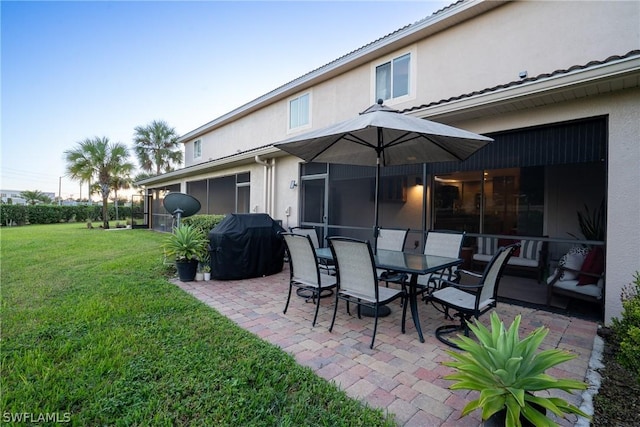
point(594, 264)
point(574, 260)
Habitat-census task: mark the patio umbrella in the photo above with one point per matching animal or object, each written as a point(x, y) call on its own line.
point(381, 136)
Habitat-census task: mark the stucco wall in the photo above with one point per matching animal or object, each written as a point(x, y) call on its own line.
point(623, 221)
point(533, 36)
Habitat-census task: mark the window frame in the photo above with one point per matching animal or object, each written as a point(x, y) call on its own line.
point(412, 81)
point(307, 125)
point(197, 149)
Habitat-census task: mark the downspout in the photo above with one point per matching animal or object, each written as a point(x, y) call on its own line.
point(272, 208)
point(265, 194)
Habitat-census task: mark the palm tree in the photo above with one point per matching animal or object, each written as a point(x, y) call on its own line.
point(33, 197)
point(99, 160)
point(157, 147)
point(121, 181)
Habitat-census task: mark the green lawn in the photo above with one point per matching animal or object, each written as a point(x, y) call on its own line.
point(94, 332)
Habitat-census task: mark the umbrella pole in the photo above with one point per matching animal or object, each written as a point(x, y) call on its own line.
point(375, 209)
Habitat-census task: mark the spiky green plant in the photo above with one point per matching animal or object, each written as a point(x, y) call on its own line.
point(506, 371)
point(186, 243)
point(592, 223)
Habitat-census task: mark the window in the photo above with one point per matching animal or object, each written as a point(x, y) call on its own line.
point(392, 78)
point(498, 201)
point(197, 148)
point(299, 111)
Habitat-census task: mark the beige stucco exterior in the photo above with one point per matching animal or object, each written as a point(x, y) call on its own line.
point(476, 49)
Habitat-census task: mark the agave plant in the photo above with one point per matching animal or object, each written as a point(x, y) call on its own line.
point(507, 371)
point(186, 243)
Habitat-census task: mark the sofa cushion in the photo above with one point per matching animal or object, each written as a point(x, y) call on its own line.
point(530, 249)
point(594, 290)
point(522, 262)
point(487, 246)
point(482, 257)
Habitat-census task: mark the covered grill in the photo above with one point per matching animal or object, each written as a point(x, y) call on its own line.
point(244, 246)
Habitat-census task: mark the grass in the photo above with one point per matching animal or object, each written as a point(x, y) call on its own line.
point(93, 331)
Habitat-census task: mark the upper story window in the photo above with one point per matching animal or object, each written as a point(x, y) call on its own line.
point(299, 112)
point(394, 77)
point(197, 148)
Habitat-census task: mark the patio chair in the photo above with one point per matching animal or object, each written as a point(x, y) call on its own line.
point(324, 264)
point(304, 271)
point(392, 239)
point(580, 274)
point(358, 281)
point(440, 243)
point(471, 300)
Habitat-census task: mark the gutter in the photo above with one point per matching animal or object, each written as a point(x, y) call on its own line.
point(268, 178)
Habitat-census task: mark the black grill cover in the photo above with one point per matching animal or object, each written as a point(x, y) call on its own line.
point(244, 246)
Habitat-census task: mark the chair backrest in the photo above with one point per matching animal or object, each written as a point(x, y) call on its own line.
point(391, 238)
point(355, 266)
point(493, 273)
point(303, 257)
point(307, 231)
point(444, 243)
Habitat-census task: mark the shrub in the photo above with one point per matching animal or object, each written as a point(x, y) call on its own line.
point(13, 214)
point(44, 214)
point(627, 329)
point(204, 223)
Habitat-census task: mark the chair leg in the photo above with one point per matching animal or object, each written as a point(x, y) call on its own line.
point(335, 310)
point(449, 329)
point(315, 317)
point(404, 312)
point(375, 325)
point(286, 306)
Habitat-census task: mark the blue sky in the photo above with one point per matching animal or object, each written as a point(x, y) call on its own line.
point(75, 70)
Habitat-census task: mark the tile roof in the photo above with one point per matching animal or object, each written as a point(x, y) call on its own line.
point(542, 76)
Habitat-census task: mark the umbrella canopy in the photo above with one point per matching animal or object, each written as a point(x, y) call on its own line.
point(381, 136)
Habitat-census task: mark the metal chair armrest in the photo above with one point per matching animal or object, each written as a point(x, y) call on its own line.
point(460, 286)
point(469, 273)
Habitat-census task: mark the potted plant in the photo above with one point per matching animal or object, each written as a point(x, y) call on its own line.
point(207, 271)
point(507, 371)
point(187, 245)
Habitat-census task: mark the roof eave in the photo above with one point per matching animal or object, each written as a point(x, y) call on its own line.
point(578, 82)
point(246, 157)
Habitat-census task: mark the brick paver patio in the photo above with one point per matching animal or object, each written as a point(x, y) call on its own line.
point(401, 374)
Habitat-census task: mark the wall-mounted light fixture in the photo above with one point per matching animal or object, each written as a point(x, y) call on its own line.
point(293, 184)
point(418, 181)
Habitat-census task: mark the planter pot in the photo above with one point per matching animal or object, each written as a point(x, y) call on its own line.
point(207, 276)
point(187, 270)
point(199, 277)
point(498, 419)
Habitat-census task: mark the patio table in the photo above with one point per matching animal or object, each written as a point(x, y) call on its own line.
point(410, 263)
